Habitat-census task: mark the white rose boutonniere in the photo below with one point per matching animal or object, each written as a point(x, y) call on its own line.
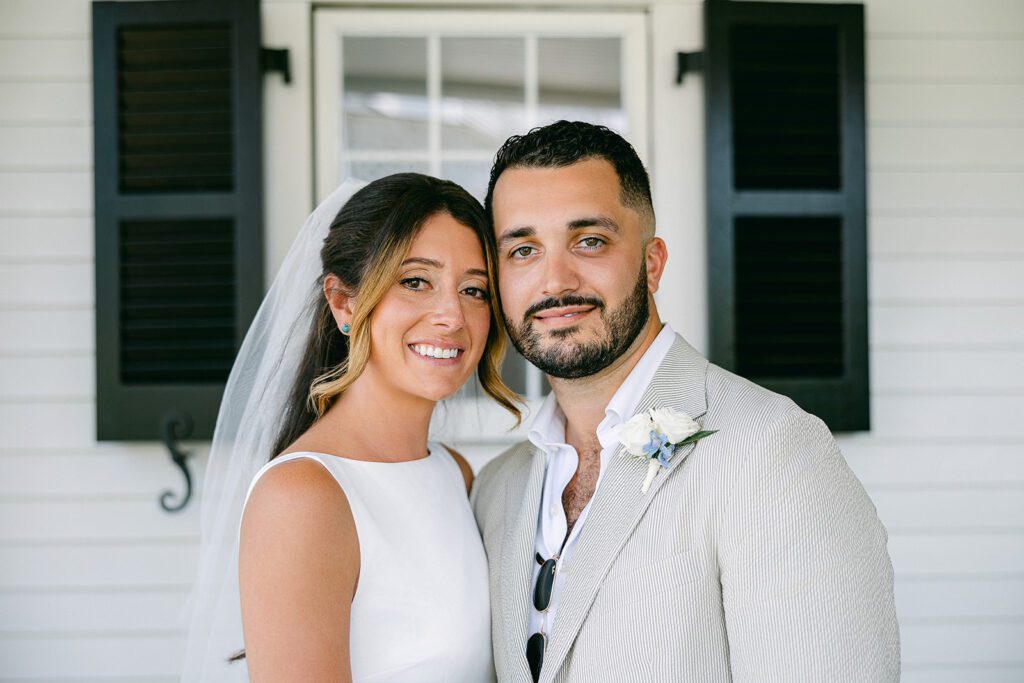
point(675, 424)
point(653, 436)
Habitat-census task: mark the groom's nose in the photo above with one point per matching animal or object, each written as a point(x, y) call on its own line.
point(560, 274)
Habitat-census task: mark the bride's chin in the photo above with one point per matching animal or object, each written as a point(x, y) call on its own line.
point(438, 392)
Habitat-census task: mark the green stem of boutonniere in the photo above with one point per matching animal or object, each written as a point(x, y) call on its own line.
point(696, 437)
point(654, 465)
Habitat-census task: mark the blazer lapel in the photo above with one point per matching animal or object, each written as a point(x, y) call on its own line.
point(522, 500)
point(619, 504)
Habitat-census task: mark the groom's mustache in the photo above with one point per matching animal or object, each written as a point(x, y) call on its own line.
point(567, 300)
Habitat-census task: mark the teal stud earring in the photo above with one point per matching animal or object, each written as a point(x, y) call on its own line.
point(345, 328)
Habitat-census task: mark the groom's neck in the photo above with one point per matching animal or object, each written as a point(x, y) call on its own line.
point(583, 400)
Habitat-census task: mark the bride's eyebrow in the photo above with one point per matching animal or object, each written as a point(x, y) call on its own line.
point(476, 271)
point(423, 262)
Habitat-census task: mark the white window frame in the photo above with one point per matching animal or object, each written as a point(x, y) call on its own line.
point(468, 421)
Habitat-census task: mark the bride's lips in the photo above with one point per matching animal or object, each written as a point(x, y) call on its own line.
point(563, 316)
point(424, 350)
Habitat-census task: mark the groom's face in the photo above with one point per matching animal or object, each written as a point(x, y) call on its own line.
point(572, 272)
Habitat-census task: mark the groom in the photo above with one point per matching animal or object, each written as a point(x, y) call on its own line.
point(753, 553)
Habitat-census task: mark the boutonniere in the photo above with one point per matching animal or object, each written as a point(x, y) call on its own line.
point(654, 436)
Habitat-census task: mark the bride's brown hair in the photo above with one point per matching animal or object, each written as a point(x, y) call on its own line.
point(364, 249)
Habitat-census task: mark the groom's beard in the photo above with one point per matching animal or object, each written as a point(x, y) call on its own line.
point(566, 359)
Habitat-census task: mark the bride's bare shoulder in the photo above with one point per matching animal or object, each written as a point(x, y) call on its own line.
point(298, 516)
point(300, 493)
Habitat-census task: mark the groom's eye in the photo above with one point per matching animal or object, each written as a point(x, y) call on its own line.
point(591, 242)
point(522, 252)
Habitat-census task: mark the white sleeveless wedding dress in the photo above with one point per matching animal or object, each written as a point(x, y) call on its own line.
point(421, 612)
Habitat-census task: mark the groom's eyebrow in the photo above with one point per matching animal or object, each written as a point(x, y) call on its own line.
point(514, 234)
point(594, 222)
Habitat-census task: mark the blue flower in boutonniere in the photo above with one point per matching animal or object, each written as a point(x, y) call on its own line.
point(654, 436)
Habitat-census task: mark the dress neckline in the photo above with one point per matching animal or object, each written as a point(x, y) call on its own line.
point(428, 456)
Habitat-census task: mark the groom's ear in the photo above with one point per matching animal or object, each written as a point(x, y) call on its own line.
point(655, 257)
point(339, 299)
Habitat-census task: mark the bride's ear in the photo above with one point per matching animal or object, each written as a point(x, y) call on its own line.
point(340, 301)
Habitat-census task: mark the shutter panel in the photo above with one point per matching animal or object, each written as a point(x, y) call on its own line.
point(786, 201)
point(178, 188)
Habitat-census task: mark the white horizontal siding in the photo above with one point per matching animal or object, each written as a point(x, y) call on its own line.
point(102, 471)
point(46, 239)
point(915, 281)
point(108, 657)
point(38, 59)
point(98, 564)
point(36, 284)
point(112, 519)
point(938, 148)
point(933, 325)
point(943, 461)
point(90, 613)
point(69, 376)
point(952, 372)
point(45, 147)
point(32, 192)
point(943, 598)
point(45, 104)
point(35, 331)
point(944, 237)
point(935, 463)
point(944, 60)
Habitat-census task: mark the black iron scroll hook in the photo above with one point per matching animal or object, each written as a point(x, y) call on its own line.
point(177, 426)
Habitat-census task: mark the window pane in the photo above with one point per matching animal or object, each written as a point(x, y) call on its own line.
point(371, 170)
point(482, 92)
point(472, 175)
point(384, 93)
point(580, 80)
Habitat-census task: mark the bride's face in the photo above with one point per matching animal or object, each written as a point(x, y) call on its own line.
point(429, 331)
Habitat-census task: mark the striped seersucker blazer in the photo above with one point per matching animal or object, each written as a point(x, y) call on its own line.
point(756, 556)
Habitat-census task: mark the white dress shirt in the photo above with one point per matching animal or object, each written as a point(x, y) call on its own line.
point(548, 434)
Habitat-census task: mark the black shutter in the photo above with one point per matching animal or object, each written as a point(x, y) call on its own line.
point(179, 220)
point(786, 201)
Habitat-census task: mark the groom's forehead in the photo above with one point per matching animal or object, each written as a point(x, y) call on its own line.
point(542, 191)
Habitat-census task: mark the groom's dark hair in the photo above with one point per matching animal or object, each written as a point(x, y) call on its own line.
point(565, 143)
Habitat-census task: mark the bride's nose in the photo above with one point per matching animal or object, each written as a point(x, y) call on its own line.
point(448, 312)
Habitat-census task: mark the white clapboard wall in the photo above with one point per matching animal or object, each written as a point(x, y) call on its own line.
point(93, 574)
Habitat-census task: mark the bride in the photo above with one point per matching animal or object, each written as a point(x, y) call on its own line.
point(357, 557)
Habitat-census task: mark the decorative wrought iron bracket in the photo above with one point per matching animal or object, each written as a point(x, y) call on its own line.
point(687, 62)
point(277, 59)
point(177, 426)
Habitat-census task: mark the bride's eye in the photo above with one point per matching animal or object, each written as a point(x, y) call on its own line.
point(477, 293)
point(413, 283)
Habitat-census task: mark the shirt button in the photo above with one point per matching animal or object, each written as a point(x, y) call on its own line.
point(553, 510)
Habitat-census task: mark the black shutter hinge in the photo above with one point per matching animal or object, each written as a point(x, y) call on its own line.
point(687, 62)
point(277, 59)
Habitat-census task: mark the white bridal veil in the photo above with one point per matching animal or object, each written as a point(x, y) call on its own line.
point(250, 415)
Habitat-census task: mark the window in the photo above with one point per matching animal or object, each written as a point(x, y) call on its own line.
point(438, 92)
